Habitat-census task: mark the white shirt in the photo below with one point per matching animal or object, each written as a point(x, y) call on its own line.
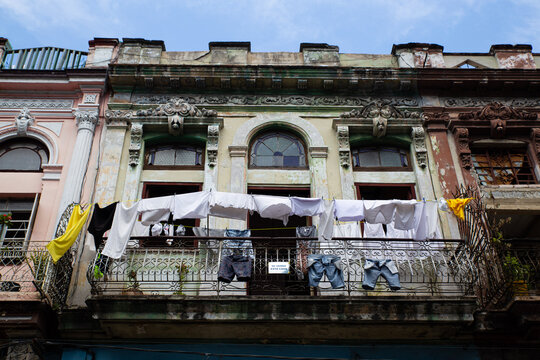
point(273, 207)
point(195, 205)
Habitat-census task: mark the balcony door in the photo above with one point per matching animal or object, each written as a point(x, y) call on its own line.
point(272, 250)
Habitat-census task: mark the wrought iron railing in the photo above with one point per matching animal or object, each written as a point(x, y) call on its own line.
point(190, 265)
point(527, 254)
point(31, 269)
point(43, 58)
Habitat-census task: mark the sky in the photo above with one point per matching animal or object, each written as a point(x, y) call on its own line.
point(356, 26)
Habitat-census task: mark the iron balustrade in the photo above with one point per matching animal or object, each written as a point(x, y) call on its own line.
point(185, 265)
point(31, 269)
point(43, 58)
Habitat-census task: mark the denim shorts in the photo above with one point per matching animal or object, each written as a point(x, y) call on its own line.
point(387, 268)
point(319, 264)
point(238, 265)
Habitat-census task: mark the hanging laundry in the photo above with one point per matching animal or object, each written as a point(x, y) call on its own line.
point(326, 221)
point(58, 247)
point(426, 221)
point(319, 264)
point(140, 230)
point(404, 214)
point(210, 244)
point(306, 206)
point(304, 248)
point(374, 231)
point(194, 205)
point(458, 206)
point(393, 233)
point(122, 226)
point(237, 257)
point(154, 210)
point(273, 207)
point(100, 222)
point(375, 268)
point(349, 230)
point(379, 211)
point(231, 205)
point(350, 210)
point(156, 229)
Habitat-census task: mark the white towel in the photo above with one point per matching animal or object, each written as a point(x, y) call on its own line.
point(154, 210)
point(122, 226)
point(306, 206)
point(273, 207)
point(231, 205)
point(404, 214)
point(194, 205)
point(350, 210)
point(379, 211)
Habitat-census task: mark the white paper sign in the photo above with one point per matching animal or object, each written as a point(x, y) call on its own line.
point(278, 267)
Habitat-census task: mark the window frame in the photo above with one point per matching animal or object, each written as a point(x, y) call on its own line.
point(147, 166)
point(406, 152)
point(267, 133)
point(508, 151)
point(37, 143)
point(19, 252)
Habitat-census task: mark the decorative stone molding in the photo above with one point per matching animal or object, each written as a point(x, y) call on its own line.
point(498, 111)
point(535, 137)
point(237, 150)
point(135, 143)
point(212, 145)
point(381, 109)
point(58, 104)
point(318, 151)
point(296, 100)
point(481, 102)
point(176, 124)
point(90, 98)
point(177, 107)
point(86, 119)
point(462, 141)
point(118, 114)
point(344, 146)
point(23, 121)
point(418, 136)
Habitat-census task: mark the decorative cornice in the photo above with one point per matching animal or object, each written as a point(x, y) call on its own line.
point(318, 151)
point(23, 121)
point(481, 102)
point(295, 100)
point(60, 104)
point(381, 108)
point(237, 150)
point(497, 110)
point(177, 107)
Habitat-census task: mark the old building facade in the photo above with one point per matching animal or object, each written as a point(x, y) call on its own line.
point(417, 124)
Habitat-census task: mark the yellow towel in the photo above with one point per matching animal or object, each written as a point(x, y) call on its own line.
point(60, 245)
point(457, 206)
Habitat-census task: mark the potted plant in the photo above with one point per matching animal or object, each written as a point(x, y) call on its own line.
point(518, 274)
point(134, 286)
point(183, 270)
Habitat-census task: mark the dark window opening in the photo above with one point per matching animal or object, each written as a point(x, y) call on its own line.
point(152, 190)
point(380, 158)
point(503, 167)
point(263, 283)
point(162, 157)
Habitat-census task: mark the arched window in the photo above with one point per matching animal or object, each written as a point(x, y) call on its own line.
point(174, 156)
point(277, 150)
point(380, 158)
point(23, 154)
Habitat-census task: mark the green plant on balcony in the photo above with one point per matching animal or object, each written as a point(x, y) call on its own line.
point(37, 262)
point(183, 270)
point(133, 287)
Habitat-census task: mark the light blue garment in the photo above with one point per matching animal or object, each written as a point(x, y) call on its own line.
point(374, 268)
point(237, 246)
point(319, 264)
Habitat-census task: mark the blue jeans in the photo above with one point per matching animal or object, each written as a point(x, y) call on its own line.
point(319, 264)
point(374, 268)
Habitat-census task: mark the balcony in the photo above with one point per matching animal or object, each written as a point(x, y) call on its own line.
point(43, 58)
point(28, 273)
point(188, 266)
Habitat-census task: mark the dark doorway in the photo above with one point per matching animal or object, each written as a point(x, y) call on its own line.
point(271, 250)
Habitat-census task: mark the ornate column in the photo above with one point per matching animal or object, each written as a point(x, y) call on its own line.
point(86, 124)
point(211, 165)
point(345, 166)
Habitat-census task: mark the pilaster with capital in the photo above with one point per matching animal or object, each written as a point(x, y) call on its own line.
point(133, 172)
point(86, 119)
point(345, 168)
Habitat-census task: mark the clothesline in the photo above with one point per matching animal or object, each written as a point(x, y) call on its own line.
point(399, 215)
